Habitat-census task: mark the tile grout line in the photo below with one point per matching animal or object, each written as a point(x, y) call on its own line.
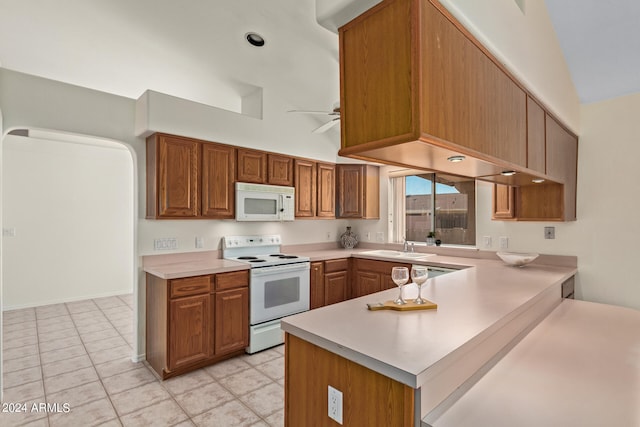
point(94, 365)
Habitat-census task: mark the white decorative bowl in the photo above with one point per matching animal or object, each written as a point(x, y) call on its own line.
point(517, 259)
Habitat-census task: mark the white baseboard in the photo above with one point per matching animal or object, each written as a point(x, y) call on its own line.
point(63, 300)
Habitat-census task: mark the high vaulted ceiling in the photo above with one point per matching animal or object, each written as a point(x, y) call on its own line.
point(196, 49)
point(601, 44)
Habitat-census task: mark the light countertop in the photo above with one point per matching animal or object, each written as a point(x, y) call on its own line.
point(579, 367)
point(174, 266)
point(481, 309)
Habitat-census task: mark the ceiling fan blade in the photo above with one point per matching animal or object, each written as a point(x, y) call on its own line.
point(324, 113)
point(325, 127)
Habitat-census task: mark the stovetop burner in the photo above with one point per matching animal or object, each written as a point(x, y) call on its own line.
point(259, 251)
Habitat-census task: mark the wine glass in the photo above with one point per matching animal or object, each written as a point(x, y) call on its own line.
point(400, 276)
point(419, 275)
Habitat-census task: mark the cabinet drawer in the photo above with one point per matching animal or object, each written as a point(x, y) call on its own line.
point(232, 280)
point(334, 265)
point(190, 286)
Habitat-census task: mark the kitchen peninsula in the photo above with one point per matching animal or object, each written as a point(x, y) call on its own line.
point(394, 368)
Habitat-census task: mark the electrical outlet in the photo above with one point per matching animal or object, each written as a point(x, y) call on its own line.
point(9, 232)
point(487, 241)
point(335, 405)
point(368, 236)
point(549, 232)
point(328, 235)
point(165, 244)
point(199, 242)
point(380, 236)
point(504, 242)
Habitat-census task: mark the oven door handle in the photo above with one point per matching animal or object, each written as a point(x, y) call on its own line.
point(263, 271)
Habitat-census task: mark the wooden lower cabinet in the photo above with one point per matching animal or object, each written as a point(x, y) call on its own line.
point(371, 276)
point(317, 285)
point(369, 398)
point(189, 331)
point(329, 282)
point(232, 320)
point(196, 321)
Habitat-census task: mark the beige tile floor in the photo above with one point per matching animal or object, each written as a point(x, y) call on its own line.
point(79, 354)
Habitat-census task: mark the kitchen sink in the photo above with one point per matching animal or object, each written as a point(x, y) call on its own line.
point(396, 254)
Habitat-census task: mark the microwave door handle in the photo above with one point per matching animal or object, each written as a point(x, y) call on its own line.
point(281, 207)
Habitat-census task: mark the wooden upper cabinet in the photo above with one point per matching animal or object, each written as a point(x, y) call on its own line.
point(409, 73)
point(326, 190)
point(218, 174)
point(562, 162)
point(252, 166)
point(172, 176)
point(189, 178)
point(503, 202)
point(358, 191)
point(536, 137)
point(305, 184)
point(280, 170)
point(378, 78)
point(466, 98)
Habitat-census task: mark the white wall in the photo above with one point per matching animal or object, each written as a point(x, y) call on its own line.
point(71, 207)
point(605, 236)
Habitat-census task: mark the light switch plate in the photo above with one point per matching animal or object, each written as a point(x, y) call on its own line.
point(487, 241)
point(504, 242)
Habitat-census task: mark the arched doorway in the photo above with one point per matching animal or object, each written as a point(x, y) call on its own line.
point(69, 225)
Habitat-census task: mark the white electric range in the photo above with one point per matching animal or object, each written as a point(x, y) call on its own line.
point(278, 286)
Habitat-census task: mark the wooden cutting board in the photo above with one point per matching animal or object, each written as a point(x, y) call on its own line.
point(410, 305)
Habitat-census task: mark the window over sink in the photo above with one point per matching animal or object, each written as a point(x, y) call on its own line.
point(413, 216)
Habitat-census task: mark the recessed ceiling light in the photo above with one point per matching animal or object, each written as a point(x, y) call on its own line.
point(537, 180)
point(456, 159)
point(508, 173)
point(255, 39)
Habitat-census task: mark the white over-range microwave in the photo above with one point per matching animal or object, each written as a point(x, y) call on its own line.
point(259, 202)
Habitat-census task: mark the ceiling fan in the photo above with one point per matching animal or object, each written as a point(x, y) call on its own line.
point(333, 114)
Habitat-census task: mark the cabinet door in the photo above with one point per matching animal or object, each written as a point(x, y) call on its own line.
point(232, 320)
point(466, 98)
point(317, 285)
point(378, 83)
point(358, 188)
point(366, 282)
point(252, 166)
point(562, 163)
point(189, 330)
point(536, 139)
point(326, 191)
point(350, 191)
point(177, 177)
point(218, 173)
point(280, 170)
point(335, 287)
point(305, 183)
point(386, 282)
point(503, 202)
